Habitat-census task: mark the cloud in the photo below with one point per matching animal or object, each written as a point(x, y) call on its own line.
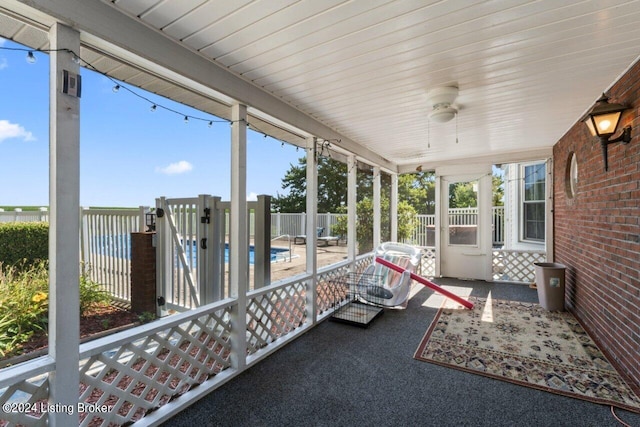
point(252, 197)
point(176, 168)
point(10, 130)
point(3, 63)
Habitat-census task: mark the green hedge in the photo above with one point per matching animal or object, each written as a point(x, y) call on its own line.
point(23, 241)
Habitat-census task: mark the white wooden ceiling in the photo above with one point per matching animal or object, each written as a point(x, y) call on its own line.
point(526, 70)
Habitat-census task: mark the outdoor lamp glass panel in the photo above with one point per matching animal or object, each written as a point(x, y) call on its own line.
point(150, 221)
point(606, 124)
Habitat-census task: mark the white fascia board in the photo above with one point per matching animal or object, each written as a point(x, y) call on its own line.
point(105, 28)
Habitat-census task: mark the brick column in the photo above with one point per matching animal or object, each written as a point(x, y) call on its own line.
point(143, 273)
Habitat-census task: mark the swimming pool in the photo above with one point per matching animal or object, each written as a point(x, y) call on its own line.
point(277, 254)
point(119, 247)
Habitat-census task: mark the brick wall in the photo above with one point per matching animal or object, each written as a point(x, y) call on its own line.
point(143, 273)
point(597, 232)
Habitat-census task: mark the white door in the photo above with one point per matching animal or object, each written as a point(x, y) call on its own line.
point(465, 226)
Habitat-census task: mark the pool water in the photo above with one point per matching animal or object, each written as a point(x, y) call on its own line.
point(276, 254)
point(119, 246)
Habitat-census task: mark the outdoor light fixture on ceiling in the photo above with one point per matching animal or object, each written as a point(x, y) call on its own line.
point(602, 122)
point(441, 98)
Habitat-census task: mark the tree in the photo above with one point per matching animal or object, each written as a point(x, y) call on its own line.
point(463, 195)
point(419, 190)
point(332, 186)
point(497, 181)
point(364, 223)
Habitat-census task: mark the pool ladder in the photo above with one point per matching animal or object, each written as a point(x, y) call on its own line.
point(288, 236)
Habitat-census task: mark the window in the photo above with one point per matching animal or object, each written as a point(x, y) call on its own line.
point(533, 202)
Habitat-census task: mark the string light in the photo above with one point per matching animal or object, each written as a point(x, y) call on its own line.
point(31, 58)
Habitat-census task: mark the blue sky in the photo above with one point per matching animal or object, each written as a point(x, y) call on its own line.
point(129, 155)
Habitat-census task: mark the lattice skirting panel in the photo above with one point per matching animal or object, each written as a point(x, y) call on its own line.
point(428, 262)
point(516, 266)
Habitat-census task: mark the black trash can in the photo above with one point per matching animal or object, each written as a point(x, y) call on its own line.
point(550, 285)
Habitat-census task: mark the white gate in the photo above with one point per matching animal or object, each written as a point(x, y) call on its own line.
point(191, 250)
point(189, 258)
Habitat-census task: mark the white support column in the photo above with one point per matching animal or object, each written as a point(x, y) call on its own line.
point(548, 238)
point(439, 227)
point(312, 237)
point(377, 222)
point(484, 223)
point(352, 189)
point(238, 236)
point(64, 232)
point(393, 207)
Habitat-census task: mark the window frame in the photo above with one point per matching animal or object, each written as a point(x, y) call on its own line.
point(522, 202)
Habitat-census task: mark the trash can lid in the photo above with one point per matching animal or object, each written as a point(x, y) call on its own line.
point(549, 265)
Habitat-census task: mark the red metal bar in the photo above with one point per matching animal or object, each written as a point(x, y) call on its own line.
point(426, 283)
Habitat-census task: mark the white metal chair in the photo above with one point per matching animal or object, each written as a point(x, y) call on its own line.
point(383, 286)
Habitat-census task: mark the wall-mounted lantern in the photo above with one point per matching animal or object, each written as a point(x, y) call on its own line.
point(602, 122)
point(150, 221)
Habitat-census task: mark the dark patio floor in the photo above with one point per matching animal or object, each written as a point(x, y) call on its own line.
point(342, 375)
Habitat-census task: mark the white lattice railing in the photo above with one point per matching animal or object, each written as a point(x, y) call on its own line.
point(137, 371)
point(24, 391)
point(516, 266)
point(274, 312)
point(327, 299)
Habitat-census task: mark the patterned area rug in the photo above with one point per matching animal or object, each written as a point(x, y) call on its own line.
point(524, 344)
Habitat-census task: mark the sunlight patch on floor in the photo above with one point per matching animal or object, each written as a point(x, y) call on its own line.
point(487, 313)
point(437, 300)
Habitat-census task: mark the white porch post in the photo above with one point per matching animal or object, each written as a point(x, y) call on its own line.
point(377, 222)
point(548, 238)
point(352, 188)
point(312, 236)
point(393, 206)
point(238, 236)
point(439, 228)
point(64, 232)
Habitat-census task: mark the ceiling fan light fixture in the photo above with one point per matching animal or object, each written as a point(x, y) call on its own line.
point(442, 113)
point(442, 98)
